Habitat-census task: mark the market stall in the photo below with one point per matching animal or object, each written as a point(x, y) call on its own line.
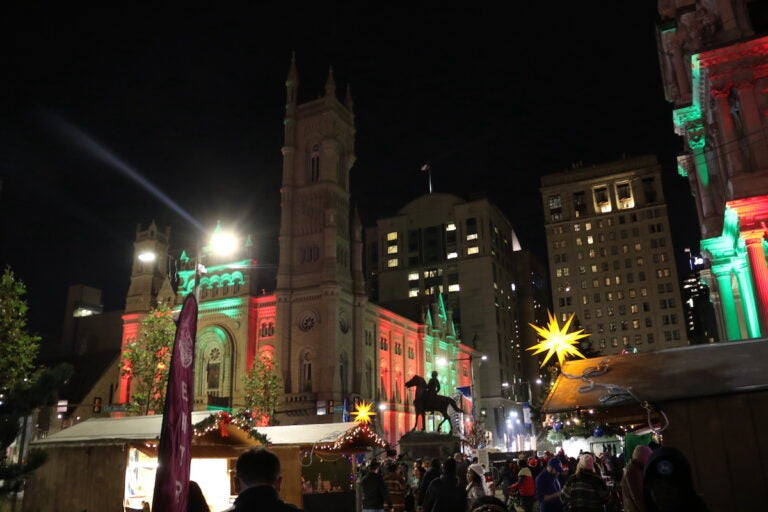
point(709, 401)
point(109, 464)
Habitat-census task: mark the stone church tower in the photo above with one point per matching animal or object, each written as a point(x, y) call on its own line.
point(319, 283)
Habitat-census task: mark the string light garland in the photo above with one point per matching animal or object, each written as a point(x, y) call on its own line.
point(243, 419)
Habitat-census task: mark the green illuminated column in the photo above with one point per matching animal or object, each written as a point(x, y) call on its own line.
point(741, 270)
point(754, 241)
point(730, 316)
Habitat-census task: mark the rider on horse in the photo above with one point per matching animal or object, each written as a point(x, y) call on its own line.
point(433, 388)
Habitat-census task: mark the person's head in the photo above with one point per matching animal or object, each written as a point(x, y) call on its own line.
point(458, 457)
point(258, 466)
point(374, 466)
point(586, 463)
point(434, 374)
point(475, 474)
point(554, 467)
point(641, 453)
point(435, 463)
point(449, 466)
point(195, 499)
point(525, 472)
point(668, 482)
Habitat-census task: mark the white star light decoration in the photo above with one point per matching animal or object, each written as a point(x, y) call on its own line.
point(557, 341)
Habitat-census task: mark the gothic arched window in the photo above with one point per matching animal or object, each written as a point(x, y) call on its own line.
point(314, 164)
point(305, 376)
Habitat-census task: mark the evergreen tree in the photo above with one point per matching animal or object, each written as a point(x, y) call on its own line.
point(262, 387)
point(147, 360)
point(18, 348)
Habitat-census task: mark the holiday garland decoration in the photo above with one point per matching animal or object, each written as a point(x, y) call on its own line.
point(242, 419)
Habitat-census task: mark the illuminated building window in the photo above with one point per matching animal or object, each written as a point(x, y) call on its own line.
point(624, 197)
point(413, 276)
point(577, 227)
point(413, 292)
point(392, 249)
point(473, 250)
point(588, 226)
point(635, 324)
point(602, 200)
point(633, 308)
point(392, 262)
point(452, 255)
point(454, 288)
point(392, 236)
point(579, 205)
point(590, 240)
point(472, 236)
point(556, 207)
point(593, 268)
point(450, 227)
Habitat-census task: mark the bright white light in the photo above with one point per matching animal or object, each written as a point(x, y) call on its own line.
point(382, 407)
point(483, 357)
point(505, 384)
point(538, 381)
point(147, 256)
point(441, 361)
point(223, 243)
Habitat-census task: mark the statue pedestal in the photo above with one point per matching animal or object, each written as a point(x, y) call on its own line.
point(428, 445)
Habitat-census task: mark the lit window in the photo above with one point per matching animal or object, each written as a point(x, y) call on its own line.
point(392, 236)
point(392, 262)
point(588, 226)
point(472, 236)
point(453, 255)
point(450, 227)
point(454, 288)
point(602, 201)
point(590, 240)
point(413, 292)
point(473, 250)
point(392, 249)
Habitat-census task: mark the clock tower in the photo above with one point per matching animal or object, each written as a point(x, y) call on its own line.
point(318, 283)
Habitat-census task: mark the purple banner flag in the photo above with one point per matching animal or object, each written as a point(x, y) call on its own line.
point(173, 452)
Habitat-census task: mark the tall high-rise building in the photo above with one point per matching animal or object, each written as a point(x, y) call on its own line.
point(714, 65)
point(469, 252)
point(699, 312)
point(611, 259)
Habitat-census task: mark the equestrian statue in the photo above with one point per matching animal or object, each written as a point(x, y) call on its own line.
point(427, 399)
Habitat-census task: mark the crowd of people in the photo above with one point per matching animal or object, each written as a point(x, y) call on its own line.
point(654, 480)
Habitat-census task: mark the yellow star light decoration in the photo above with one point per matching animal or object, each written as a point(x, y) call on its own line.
point(557, 341)
point(363, 412)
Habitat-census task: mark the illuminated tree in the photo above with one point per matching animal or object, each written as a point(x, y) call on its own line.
point(262, 388)
point(18, 348)
point(147, 361)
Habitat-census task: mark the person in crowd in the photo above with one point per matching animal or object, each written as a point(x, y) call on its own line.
point(632, 482)
point(585, 490)
point(535, 467)
point(461, 466)
point(258, 472)
point(396, 487)
point(508, 477)
point(548, 488)
point(524, 489)
point(432, 474)
point(195, 499)
point(668, 483)
point(476, 485)
point(446, 493)
point(374, 490)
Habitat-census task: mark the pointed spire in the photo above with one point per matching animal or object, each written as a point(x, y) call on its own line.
point(292, 81)
point(348, 99)
point(330, 84)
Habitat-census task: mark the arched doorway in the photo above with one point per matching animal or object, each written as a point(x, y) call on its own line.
point(213, 368)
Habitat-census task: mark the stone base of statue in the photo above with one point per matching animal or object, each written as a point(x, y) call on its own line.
point(428, 445)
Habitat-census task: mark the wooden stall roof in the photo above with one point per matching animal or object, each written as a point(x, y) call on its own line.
point(666, 375)
point(144, 431)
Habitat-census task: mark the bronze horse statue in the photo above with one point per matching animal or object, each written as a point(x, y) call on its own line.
point(424, 402)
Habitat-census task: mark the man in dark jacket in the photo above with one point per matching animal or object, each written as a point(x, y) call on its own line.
point(258, 471)
point(375, 492)
point(432, 473)
point(446, 494)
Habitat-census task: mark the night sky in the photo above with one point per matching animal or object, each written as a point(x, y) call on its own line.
point(192, 100)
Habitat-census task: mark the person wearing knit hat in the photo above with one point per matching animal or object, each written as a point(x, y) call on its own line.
point(476, 484)
point(586, 490)
point(548, 488)
point(524, 489)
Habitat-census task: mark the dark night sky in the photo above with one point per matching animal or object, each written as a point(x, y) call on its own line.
point(193, 99)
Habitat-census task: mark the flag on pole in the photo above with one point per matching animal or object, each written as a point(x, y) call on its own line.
point(173, 452)
point(466, 391)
